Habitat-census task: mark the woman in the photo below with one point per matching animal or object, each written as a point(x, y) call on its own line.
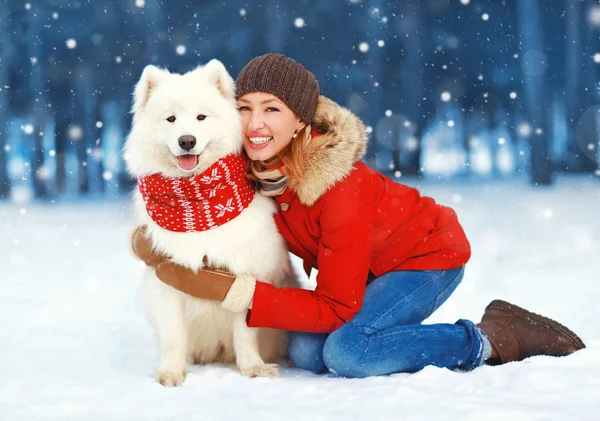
point(387, 257)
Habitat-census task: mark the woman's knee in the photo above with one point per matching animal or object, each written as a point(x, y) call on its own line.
point(344, 351)
point(354, 351)
point(306, 351)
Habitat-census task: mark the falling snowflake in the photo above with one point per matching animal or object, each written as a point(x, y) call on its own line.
point(97, 39)
point(27, 128)
point(597, 58)
point(180, 50)
point(107, 175)
point(452, 42)
point(54, 15)
point(140, 3)
point(299, 23)
point(450, 123)
point(485, 17)
point(513, 95)
point(501, 141)
point(363, 47)
point(594, 15)
point(465, 2)
point(412, 143)
point(242, 12)
point(75, 132)
point(446, 96)
point(99, 124)
point(71, 43)
point(457, 198)
point(118, 59)
point(381, 43)
point(388, 113)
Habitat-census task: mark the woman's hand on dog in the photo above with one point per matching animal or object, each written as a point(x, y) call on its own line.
point(142, 247)
point(208, 283)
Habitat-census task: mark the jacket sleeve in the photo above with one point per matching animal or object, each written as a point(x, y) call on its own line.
point(343, 263)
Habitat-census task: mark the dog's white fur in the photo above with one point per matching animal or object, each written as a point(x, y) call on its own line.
point(190, 329)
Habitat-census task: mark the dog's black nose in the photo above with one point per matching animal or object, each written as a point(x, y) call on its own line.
point(187, 142)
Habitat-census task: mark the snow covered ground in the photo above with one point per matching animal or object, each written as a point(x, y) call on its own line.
point(74, 344)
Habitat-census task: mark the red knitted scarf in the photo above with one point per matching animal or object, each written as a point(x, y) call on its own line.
point(199, 203)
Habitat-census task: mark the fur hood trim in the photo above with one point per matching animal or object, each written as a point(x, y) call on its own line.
point(342, 141)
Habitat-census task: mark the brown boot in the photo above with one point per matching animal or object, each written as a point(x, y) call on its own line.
point(516, 334)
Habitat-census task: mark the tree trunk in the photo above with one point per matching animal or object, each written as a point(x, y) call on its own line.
point(4, 58)
point(412, 87)
point(534, 63)
point(374, 109)
point(37, 105)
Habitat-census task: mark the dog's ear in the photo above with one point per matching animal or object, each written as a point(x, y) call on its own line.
point(220, 77)
point(150, 79)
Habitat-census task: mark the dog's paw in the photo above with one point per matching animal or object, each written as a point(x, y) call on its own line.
point(261, 370)
point(169, 378)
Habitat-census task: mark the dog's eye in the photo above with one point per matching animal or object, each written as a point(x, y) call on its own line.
point(201, 117)
point(171, 119)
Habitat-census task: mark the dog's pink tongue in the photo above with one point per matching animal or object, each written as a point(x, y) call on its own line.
point(187, 162)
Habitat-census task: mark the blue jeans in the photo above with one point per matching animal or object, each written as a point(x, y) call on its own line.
point(386, 336)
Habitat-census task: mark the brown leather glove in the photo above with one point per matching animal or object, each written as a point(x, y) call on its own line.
point(143, 249)
point(210, 284)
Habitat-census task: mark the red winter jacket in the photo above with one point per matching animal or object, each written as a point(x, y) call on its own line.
point(352, 224)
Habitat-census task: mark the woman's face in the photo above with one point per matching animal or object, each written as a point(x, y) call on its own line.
point(267, 124)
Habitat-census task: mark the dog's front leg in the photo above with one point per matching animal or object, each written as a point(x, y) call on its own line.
point(245, 344)
point(166, 309)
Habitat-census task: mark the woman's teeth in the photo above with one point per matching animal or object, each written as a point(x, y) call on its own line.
point(260, 140)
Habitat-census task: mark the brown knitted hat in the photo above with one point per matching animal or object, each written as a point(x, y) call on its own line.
point(283, 77)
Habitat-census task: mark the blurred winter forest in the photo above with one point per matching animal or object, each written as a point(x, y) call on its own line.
point(456, 89)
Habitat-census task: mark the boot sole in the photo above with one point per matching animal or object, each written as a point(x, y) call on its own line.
point(521, 312)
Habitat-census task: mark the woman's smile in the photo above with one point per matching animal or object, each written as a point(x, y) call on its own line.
point(259, 142)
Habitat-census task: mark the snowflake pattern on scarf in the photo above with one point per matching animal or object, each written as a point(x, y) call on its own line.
point(199, 203)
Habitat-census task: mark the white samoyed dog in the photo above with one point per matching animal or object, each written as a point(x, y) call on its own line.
point(167, 107)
